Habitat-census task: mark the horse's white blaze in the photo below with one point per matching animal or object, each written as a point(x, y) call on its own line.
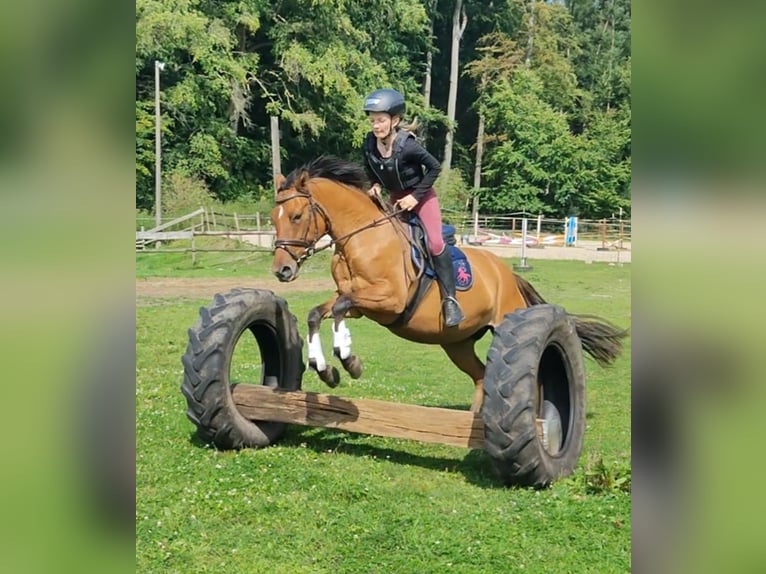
point(315, 352)
point(281, 211)
point(341, 339)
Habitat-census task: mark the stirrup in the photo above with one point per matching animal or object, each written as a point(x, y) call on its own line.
point(453, 314)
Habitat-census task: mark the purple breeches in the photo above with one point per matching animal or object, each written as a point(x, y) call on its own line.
point(429, 213)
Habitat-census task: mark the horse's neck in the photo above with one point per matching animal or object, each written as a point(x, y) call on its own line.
point(347, 210)
point(352, 217)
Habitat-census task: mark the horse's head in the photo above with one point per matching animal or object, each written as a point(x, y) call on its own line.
point(299, 222)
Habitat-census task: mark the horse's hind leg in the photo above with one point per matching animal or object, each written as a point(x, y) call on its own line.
point(317, 361)
point(464, 357)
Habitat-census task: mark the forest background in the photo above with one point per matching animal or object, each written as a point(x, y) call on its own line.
point(525, 103)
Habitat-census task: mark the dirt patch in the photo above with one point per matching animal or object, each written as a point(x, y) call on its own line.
point(205, 288)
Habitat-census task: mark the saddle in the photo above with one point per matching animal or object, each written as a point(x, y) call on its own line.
point(460, 265)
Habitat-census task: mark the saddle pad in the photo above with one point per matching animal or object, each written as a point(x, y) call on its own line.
point(460, 264)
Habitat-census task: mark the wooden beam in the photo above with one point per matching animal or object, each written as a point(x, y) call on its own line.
point(368, 416)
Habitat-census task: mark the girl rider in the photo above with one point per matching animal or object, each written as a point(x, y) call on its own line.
point(394, 160)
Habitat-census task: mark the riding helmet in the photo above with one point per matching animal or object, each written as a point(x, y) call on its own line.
point(387, 101)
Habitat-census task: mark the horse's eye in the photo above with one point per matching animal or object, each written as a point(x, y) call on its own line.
point(296, 217)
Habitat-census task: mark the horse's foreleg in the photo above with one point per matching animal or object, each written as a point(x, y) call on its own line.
point(342, 337)
point(317, 361)
point(464, 357)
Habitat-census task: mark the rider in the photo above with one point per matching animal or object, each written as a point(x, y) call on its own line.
point(394, 160)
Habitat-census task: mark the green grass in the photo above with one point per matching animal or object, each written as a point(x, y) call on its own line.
point(219, 264)
point(323, 501)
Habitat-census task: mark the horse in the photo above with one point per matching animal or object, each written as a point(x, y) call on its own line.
point(376, 278)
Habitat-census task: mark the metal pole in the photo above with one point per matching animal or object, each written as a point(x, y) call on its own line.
point(522, 266)
point(157, 145)
point(524, 242)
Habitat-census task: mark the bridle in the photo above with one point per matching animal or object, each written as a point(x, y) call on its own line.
point(309, 247)
point(315, 211)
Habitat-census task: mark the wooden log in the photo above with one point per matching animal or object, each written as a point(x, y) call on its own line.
point(368, 416)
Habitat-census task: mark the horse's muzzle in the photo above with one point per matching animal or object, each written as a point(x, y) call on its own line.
point(286, 273)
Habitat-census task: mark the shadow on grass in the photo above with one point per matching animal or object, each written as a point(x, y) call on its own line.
point(476, 466)
point(194, 440)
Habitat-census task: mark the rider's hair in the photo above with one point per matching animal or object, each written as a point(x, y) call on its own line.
point(411, 126)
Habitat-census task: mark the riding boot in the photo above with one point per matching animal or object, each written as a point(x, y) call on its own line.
point(451, 310)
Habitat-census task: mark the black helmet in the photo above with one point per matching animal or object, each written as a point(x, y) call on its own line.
point(386, 100)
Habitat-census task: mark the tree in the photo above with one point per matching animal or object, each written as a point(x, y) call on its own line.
point(499, 56)
point(459, 22)
point(603, 27)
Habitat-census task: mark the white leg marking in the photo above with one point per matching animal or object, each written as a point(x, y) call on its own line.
point(315, 352)
point(341, 339)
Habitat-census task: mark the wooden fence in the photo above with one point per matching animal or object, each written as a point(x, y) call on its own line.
point(255, 232)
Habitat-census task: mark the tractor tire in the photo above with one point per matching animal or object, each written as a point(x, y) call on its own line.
point(534, 397)
point(208, 358)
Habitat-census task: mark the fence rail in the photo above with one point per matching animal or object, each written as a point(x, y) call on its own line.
point(256, 231)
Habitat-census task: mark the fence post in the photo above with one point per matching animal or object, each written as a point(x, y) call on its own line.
point(539, 224)
point(621, 233)
point(258, 221)
point(522, 266)
point(193, 251)
point(236, 222)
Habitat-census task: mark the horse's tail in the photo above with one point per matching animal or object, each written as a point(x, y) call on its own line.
point(530, 294)
point(600, 339)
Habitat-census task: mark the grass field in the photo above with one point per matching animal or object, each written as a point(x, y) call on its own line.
point(323, 501)
point(219, 264)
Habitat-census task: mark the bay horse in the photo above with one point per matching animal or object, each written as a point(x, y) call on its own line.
point(376, 278)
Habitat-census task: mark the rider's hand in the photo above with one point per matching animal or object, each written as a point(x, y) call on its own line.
point(374, 191)
point(408, 202)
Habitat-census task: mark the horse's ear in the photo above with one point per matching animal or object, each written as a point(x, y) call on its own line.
point(300, 183)
point(278, 181)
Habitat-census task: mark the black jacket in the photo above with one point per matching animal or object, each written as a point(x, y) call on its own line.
point(409, 169)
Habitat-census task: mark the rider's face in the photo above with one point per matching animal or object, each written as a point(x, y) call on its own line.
point(382, 123)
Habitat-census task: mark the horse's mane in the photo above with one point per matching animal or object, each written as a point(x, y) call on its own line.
point(328, 167)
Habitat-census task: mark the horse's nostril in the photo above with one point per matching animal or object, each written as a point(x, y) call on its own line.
point(284, 273)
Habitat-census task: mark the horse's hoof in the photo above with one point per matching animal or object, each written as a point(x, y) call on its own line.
point(353, 366)
point(330, 376)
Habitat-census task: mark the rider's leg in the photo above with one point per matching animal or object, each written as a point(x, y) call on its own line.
point(453, 314)
point(430, 214)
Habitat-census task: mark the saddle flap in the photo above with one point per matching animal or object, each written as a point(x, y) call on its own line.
point(460, 263)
